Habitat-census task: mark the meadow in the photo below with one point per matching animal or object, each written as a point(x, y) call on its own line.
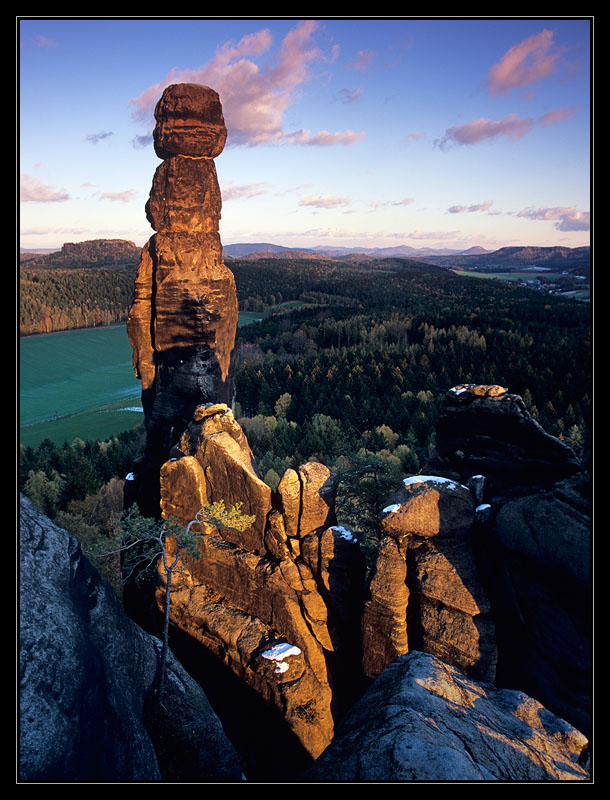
point(81, 384)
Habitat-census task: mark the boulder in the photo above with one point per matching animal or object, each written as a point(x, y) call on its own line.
point(424, 720)
point(86, 678)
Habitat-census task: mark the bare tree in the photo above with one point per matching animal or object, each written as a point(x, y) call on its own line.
point(143, 541)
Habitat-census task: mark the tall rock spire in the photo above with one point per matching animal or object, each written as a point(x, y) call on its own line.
point(184, 314)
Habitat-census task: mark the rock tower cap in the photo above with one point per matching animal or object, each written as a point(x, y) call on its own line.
point(189, 122)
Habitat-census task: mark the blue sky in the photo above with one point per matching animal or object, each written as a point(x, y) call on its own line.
point(444, 133)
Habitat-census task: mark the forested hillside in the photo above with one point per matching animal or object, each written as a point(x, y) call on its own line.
point(354, 377)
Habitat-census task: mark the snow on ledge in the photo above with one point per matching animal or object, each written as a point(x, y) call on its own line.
point(391, 509)
point(279, 652)
point(447, 482)
point(344, 533)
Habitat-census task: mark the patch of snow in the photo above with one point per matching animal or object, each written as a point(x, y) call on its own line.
point(345, 534)
point(447, 482)
point(391, 509)
point(279, 652)
point(130, 476)
point(483, 506)
point(455, 390)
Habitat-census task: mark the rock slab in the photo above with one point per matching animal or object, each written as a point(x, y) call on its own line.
point(424, 720)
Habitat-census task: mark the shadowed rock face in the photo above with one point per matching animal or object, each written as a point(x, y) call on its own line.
point(488, 430)
point(423, 720)
point(184, 314)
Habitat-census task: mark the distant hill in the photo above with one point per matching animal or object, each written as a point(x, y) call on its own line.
point(84, 255)
point(571, 259)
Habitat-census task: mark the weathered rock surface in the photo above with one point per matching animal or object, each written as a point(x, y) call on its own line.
point(538, 570)
point(86, 675)
point(423, 720)
point(184, 314)
point(271, 602)
point(486, 430)
point(426, 593)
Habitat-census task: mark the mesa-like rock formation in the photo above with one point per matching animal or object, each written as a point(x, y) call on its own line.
point(87, 674)
point(184, 314)
point(424, 720)
point(277, 602)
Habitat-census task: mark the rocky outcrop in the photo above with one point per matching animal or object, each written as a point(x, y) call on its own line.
point(271, 602)
point(423, 720)
point(487, 430)
point(86, 677)
point(537, 561)
point(426, 593)
point(184, 314)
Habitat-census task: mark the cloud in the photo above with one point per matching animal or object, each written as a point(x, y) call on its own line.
point(350, 95)
point(139, 142)
point(413, 137)
point(406, 201)
point(478, 207)
point(527, 62)
point(324, 138)
point(232, 192)
point(324, 201)
point(117, 197)
point(557, 116)
point(512, 126)
point(32, 190)
point(94, 138)
point(565, 218)
point(254, 97)
point(433, 235)
point(362, 62)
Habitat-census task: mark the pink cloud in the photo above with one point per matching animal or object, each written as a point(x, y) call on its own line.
point(529, 61)
point(477, 207)
point(254, 97)
point(512, 126)
point(325, 201)
point(364, 59)
point(557, 116)
point(32, 190)
point(117, 197)
point(565, 218)
point(232, 192)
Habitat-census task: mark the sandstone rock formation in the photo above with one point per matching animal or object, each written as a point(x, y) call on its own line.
point(537, 562)
point(271, 602)
point(486, 430)
point(184, 314)
point(423, 720)
point(86, 673)
point(426, 593)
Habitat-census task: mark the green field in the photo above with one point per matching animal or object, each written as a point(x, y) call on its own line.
point(77, 384)
point(513, 276)
point(80, 384)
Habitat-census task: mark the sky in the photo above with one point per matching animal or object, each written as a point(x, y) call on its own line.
point(342, 132)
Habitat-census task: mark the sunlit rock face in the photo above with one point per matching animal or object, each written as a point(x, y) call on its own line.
point(277, 602)
point(184, 314)
point(426, 593)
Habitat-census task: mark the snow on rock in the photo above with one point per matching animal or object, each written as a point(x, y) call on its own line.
point(279, 652)
point(344, 533)
point(447, 482)
point(391, 509)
